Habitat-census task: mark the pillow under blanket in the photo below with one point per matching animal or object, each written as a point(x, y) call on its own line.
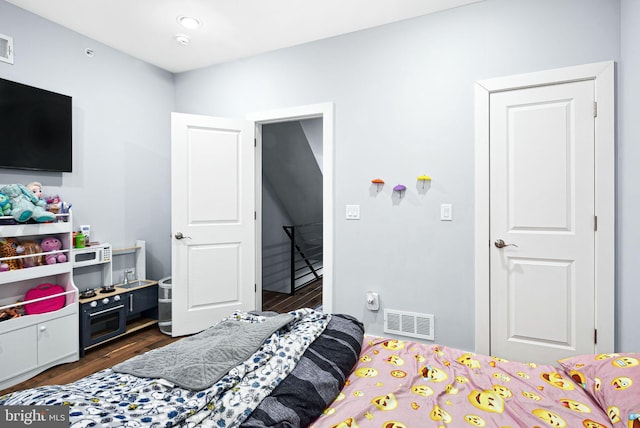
point(315, 381)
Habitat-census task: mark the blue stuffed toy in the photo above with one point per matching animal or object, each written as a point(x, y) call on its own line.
point(25, 204)
point(5, 205)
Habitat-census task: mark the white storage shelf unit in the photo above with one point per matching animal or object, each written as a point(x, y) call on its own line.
point(32, 343)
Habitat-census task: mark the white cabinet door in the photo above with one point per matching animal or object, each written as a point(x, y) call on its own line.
point(18, 352)
point(57, 338)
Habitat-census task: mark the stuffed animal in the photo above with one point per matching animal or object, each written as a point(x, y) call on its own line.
point(10, 247)
point(32, 247)
point(5, 205)
point(25, 204)
point(51, 243)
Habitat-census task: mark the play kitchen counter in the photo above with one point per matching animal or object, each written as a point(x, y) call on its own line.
point(111, 314)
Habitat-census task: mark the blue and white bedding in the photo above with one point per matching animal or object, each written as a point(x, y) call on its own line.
point(110, 399)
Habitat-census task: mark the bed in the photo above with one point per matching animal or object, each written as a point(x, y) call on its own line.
point(310, 369)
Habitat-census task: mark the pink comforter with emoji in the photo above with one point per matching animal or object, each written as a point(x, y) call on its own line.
point(398, 384)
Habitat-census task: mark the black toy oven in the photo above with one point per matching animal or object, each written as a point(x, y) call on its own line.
point(101, 320)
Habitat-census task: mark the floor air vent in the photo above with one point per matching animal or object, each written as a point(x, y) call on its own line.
point(6, 49)
point(409, 324)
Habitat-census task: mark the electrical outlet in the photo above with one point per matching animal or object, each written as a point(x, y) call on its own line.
point(373, 301)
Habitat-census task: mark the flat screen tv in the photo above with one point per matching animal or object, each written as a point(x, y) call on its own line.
point(35, 128)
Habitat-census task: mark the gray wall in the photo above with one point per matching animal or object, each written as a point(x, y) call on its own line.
point(120, 183)
point(403, 96)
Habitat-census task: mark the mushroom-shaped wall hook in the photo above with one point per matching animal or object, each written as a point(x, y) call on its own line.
point(400, 188)
point(379, 182)
point(424, 178)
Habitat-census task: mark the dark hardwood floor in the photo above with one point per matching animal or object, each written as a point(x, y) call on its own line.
point(144, 340)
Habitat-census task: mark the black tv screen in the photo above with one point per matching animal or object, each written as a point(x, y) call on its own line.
point(35, 128)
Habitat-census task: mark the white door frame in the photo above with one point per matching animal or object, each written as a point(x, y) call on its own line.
point(603, 75)
point(325, 111)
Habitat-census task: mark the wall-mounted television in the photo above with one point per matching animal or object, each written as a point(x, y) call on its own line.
point(35, 128)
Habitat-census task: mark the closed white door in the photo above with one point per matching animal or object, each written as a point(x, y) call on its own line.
point(212, 220)
point(542, 258)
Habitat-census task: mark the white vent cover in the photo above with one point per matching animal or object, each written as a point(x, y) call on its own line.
point(409, 324)
point(6, 49)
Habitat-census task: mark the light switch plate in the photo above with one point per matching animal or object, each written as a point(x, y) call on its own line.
point(446, 212)
point(353, 212)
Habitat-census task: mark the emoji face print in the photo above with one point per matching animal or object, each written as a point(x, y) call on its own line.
point(433, 374)
point(597, 383)
point(614, 414)
point(340, 397)
point(365, 359)
point(606, 356)
point(348, 423)
point(625, 362)
point(503, 391)
point(588, 423)
point(531, 395)
point(393, 345)
point(422, 390)
point(451, 389)
point(576, 406)
point(366, 372)
point(557, 380)
point(487, 400)
point(358, 393)
point(437, 414)
point(522, 375)
point(420, 358)
point(385, 402)
point(393, 424)
point(621, 383)
point(395, 360)
point(461, 379)
point(578, 377)
point(414, 405)
point(474, 420)
point(551, 418)
point(468, 361)
point(398, 373)
point(502, 377)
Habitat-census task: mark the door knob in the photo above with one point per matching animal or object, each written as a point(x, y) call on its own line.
point(179, 235)
point(501, 244)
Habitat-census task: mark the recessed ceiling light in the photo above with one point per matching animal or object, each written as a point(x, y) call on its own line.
point(188, 22)
point(183, 39)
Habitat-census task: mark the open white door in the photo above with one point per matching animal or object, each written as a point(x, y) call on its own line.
point(212, 220)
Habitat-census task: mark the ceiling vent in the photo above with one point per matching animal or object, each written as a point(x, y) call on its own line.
point(6, 49)
point(410, 324)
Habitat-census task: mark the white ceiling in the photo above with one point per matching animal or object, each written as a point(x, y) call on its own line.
point(231, 29)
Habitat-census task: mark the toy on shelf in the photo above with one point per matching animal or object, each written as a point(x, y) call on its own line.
point(25, 204)
point(5, 205)
point(49, 244)
point(10, 247)
point(32, 247)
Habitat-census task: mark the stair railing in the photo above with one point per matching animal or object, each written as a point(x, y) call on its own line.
point(306, 253)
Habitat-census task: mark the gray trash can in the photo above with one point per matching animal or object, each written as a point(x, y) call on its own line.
point(164, 305)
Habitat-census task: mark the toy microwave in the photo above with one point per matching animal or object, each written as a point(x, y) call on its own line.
point(94, 255)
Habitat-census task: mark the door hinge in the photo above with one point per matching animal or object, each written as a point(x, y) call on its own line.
point(255, 142)
point(595, 223)
point(255, 215)
point(595, 336)
point(595, 109)
point(255, 288)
